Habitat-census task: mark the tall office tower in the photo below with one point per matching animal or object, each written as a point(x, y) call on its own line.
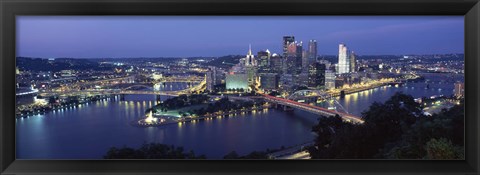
point(316, 75)
point(305, 61)
point(298, 57)
point(290, 59)
point(263, 58)
point(250, 58)
point(286, 42)
point(312, 51)
point(353, 65)
point(209, 76)
point(329, 79)
point(459, 90)
point(343, 59)
point(276, 63)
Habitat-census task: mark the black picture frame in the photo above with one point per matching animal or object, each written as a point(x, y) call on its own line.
point(11, 8)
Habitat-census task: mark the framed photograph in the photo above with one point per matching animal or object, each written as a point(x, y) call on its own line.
point(271, 87)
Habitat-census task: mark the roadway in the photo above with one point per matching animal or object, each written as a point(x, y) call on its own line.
point(314, 109)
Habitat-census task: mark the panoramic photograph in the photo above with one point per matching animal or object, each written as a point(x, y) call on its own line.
point(240, 87)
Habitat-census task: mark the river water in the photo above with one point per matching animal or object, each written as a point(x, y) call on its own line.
point(88, 131)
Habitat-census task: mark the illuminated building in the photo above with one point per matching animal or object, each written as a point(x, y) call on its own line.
point(305, 61)
point(286, 42)
point(250, 58)
point(329, 79)
point(251, 74)
point(286, 82)
point(326, 62)
point(290, 59)
point(459, 90)
point(157, 76)
point(312, 52)
point(316, 75)
point(353, 67)
point(343, 59)
point(276, 63)
point(67, 73)
point(301, 79)
point(236, 81)
point(264, 60)
point(298, 57)
point(211, 77)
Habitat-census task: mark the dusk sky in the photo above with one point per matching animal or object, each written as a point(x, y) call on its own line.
point(176, 36)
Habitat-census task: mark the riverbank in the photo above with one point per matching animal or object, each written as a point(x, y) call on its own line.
point(211, 116)
point(33, 110)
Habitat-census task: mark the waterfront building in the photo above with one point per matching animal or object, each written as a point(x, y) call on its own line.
point(236, 80)
point(269, 81)
point(339, 82)
point(329, 79)
point(459, 90)
point(316, 75)
point(343, 59)
point(157, 76)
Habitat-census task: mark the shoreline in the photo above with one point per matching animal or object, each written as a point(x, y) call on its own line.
point(200, 118)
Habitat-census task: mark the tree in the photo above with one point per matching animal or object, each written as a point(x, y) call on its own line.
point(231, 155)
point(151, 151)
point(395, 129)
point(441, 149)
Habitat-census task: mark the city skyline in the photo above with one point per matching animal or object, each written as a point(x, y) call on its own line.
point(122, 37)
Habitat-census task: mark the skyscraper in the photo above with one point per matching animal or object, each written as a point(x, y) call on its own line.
point(316, 75)
point(211, 77)
point(250, 58)
point(264, 60)
point(286, 42)
point(305, 61)
point(353, 60)
point(329, 79)
point(298, 57)
point(290, 59)
point(276, 63)
point(343, 59)
point(459, 90)
point(312, 51)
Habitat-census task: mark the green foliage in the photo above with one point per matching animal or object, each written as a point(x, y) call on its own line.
point(442, 149)
point(182, 101)
point(396, 129)
point(151, 151)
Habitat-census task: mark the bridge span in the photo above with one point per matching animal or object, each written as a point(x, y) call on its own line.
point(313, 109)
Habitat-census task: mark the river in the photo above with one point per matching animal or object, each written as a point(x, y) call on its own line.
point(88, 131)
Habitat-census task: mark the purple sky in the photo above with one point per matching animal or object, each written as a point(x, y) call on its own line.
point(176, 36)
